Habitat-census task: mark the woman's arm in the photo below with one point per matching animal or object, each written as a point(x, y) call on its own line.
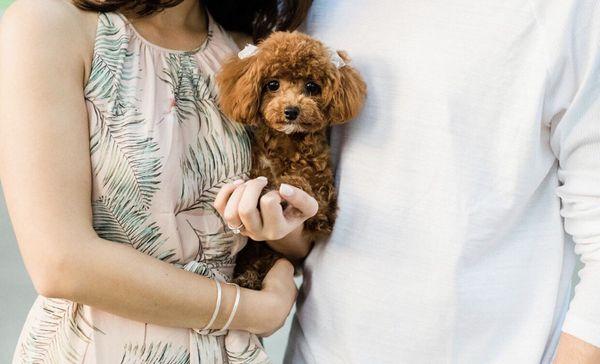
point(46, 177)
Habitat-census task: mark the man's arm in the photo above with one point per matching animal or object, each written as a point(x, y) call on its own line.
point(572, 350)
point(574, 86)
point(572, 110)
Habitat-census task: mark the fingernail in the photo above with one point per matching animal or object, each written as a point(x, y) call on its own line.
point(286, 190)
point(262, 178)
point(238, 182)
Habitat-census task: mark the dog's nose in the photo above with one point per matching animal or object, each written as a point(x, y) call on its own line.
point(291, 112)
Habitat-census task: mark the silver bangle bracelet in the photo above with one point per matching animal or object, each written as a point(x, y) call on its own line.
point(234, 309)
point(217, 307)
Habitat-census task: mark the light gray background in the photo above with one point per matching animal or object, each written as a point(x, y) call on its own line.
point(17, 295)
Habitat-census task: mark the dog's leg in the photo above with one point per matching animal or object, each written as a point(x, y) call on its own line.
point(253, 263)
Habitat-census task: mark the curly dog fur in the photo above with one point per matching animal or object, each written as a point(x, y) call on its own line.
point(290, 92)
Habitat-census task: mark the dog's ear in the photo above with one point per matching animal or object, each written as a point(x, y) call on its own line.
point(348, 94)
point(239, 82)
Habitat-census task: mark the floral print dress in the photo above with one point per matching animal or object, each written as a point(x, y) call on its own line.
point(160, 151)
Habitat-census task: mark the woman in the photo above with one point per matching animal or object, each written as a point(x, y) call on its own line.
point(116, 106)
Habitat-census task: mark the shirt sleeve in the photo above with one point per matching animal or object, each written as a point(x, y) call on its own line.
point(573, 32)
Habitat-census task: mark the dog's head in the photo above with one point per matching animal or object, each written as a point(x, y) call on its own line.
point(291, 84)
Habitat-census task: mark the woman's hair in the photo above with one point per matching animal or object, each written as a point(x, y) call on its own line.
point(257, 18)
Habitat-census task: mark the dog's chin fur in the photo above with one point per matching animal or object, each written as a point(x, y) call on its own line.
point(292, 127)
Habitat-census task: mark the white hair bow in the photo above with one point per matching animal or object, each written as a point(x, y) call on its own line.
point(248, 51)
point(336, 59)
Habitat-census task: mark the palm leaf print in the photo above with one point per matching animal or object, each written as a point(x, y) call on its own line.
point(155, 353)
point(130, 178)
point(115, 135)
point(201, 268)
point(250, 355)
point(121, 221)
point(206, 165)
point(127, 158)
point(216, 246)
point(124, 152)
point(58, 336)
point(241, 136)
point(112, 67)
point(208, 348)
point(121, 152)
point(186, 83)
point(243, 348)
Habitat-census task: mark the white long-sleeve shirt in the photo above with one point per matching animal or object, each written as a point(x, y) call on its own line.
point(473, 168)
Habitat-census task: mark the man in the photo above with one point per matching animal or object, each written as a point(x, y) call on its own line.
point(482, 128)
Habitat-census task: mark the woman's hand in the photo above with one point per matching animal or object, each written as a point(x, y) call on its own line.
point(238, 203)
point(264, 312)
point(278, 296)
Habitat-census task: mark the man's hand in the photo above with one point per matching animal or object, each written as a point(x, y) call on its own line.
point(572, 350)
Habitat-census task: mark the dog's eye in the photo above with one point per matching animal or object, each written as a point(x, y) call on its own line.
point(312, 88)
point(273, 85)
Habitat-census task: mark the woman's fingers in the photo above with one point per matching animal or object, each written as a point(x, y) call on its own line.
point(223, 196)
point(275, 226)
point(300, 200)
point(279, 290)
point(248, 206)
point(231, 215)
point(237, 203)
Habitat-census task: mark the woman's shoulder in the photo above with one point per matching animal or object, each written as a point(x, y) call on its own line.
point(49, 24)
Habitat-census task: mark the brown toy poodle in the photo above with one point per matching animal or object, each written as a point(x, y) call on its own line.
point(290, 89)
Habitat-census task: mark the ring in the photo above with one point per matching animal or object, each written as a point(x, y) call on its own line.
point(237, 229)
